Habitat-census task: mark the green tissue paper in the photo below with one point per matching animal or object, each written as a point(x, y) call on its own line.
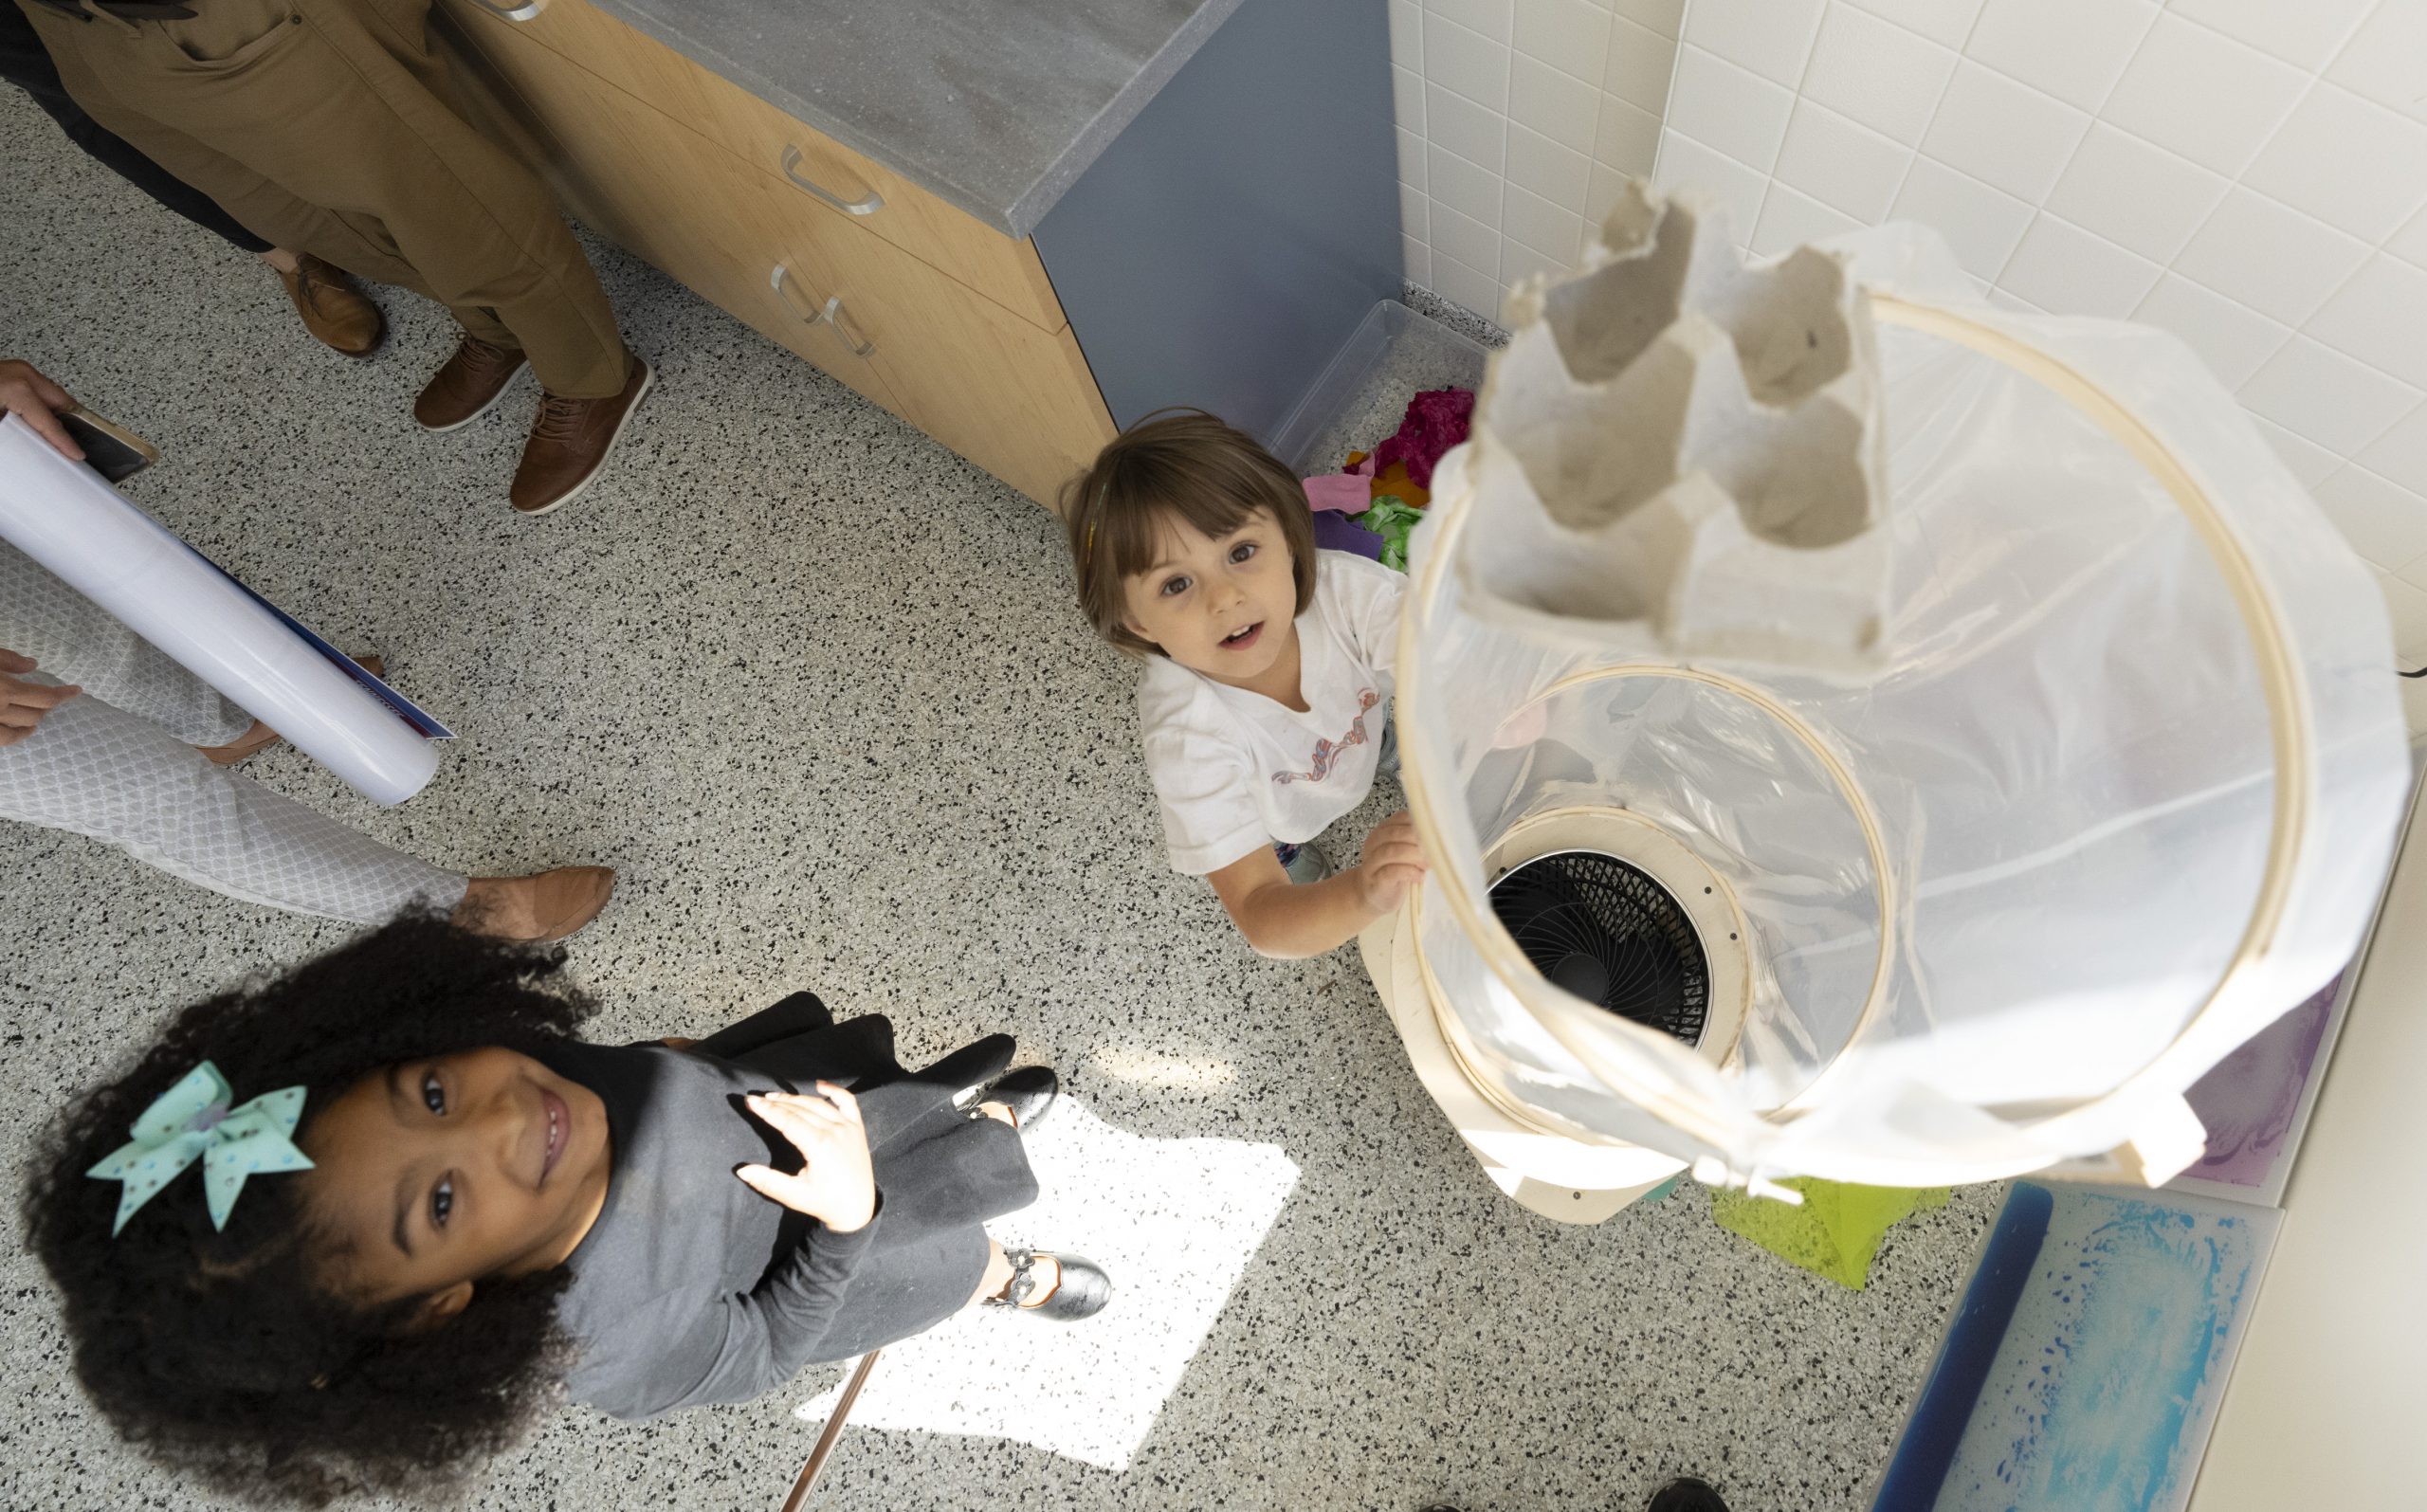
point(1392, 518)
point(1834, 1233)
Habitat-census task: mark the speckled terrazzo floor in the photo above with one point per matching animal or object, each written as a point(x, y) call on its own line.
point(815, 685)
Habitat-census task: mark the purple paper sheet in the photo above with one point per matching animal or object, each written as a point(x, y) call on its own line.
point(1334, 532)
point(2248, 1100)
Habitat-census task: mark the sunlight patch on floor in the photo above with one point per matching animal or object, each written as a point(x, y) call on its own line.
point(1148, 1068)
point(1173, 1221)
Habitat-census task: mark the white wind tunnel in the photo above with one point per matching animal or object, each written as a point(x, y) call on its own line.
point(1865, 733)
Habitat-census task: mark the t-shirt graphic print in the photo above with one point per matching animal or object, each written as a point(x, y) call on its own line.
point(1326, 751)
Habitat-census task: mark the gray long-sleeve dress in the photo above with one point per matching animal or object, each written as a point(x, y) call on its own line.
point(691, 1289)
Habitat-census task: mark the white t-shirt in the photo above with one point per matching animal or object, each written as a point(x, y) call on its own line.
point(1235, 769)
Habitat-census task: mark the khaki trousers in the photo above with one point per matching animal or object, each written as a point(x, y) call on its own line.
point(330, 126)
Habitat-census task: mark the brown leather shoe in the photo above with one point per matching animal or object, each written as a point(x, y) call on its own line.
point(542, 908)
point(467, 386)
point(570, 440)
point(340, 315)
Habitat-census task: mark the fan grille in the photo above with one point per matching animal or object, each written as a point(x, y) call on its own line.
point(1608, 933)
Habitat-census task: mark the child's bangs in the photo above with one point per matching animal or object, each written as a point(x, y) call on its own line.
point(1134, 537)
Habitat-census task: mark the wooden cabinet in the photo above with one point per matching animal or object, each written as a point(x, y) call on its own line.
point(915, 305)
point(941, 235)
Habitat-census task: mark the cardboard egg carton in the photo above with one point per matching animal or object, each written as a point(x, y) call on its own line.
point(1679, 455)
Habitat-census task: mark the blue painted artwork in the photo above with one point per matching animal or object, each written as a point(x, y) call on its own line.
point(2085, 1365)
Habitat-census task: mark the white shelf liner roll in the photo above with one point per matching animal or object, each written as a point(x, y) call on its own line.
point(66, 517)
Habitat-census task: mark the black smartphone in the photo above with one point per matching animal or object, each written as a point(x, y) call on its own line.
point(110, 450)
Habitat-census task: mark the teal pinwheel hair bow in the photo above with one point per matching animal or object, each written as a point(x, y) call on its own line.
point(199, 1119)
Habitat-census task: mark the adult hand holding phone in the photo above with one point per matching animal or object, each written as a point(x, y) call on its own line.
point(25, 392)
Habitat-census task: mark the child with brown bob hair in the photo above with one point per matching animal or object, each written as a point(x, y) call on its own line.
point(1267, 672)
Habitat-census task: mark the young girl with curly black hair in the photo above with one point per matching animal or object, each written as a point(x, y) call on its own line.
point(496, 1213)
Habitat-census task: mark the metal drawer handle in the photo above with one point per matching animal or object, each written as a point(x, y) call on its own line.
point(521, 11)
point(869, 206)
point(833, 313)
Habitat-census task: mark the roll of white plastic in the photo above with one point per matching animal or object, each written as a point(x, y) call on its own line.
point(62, 514)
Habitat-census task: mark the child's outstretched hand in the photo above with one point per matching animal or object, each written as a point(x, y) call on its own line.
point(834, 1184)
point(1393, 863)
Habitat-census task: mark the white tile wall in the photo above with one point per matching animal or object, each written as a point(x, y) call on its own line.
point(1520, 119)
point(2250, 174)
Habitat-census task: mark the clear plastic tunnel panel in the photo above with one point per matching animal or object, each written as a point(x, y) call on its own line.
point(1997, 832)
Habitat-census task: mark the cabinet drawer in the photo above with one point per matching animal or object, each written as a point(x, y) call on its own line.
point(1016, 400)
point(817, 167)
point(806, 161)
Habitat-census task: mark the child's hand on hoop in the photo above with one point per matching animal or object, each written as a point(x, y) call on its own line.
point(834, 1184)
point(1393, 863)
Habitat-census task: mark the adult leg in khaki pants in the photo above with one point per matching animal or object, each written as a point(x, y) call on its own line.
point(327, 125)
point(338, 315)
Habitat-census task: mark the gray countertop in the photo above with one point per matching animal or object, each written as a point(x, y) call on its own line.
point(997, 105)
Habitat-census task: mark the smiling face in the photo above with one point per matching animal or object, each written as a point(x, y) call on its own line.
point(437, 1174)
point(1224, 604)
